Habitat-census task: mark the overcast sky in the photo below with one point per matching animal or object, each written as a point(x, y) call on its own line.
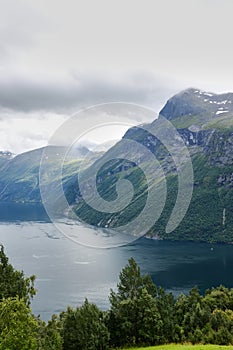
point(59, 56)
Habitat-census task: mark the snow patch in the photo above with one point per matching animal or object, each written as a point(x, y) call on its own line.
point(220, 112)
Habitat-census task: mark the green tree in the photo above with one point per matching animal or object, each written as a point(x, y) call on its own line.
point(222, 324)
point(134, 317)
point(219, 298)
point(12, 282)
point(49, 337)
point(84, 328)
point(18, 327)
point(150, 322)
point(165, 304)
point(192, 314)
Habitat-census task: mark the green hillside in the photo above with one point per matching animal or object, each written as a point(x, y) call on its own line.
point(205, 123)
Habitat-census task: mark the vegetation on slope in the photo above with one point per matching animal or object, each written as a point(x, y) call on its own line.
point(208, 217)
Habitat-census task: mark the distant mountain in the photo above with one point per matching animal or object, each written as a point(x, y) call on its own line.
point(103, 147)
point(97, 147)
point(205, 122)
point(19, 176)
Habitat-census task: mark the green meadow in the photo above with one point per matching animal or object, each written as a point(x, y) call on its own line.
point(186, 347)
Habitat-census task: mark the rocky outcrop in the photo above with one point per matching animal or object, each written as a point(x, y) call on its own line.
point(219, 149)
point(226, 180)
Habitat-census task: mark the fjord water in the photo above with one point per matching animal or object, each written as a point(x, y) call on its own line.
point(66, 272)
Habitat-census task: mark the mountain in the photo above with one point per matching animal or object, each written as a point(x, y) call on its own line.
point(19, 175)
point(205, 123)
point(203, 120)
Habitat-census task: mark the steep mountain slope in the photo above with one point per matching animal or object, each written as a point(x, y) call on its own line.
point(205, 123)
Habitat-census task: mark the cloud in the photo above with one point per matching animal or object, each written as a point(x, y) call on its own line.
point(20, 24)
point(20, 132)
point(79, 90)
point(32, 109)
point(58, 57)
point(162, 36)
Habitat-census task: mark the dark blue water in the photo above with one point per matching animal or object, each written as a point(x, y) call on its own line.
point(12, 212)
point(67, 272)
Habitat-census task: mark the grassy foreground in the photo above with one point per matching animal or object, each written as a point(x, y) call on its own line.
point(186, 347)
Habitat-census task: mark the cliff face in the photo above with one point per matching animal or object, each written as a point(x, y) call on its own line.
point(205, 122)
point(219, 149)
point(216, 145)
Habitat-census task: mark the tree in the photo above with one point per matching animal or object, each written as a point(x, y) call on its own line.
point(150, 322)
point(49, 337)
point(132, 282)
point(222, 324)
point(165, 304)
point(18, 327)
point(192, 315)
point(134, 317)
point(84, 328)
point(12, 282)
point(218, 298)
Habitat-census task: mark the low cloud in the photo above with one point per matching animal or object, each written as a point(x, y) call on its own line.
point(32, 108)
point(20, 132)
point(79, 90)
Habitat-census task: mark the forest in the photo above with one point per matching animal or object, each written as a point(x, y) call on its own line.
point(140, 314)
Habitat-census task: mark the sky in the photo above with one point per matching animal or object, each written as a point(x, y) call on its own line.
point(57, 57)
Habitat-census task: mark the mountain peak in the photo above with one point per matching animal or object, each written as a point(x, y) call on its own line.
point(194, 102)
point(196, 92)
